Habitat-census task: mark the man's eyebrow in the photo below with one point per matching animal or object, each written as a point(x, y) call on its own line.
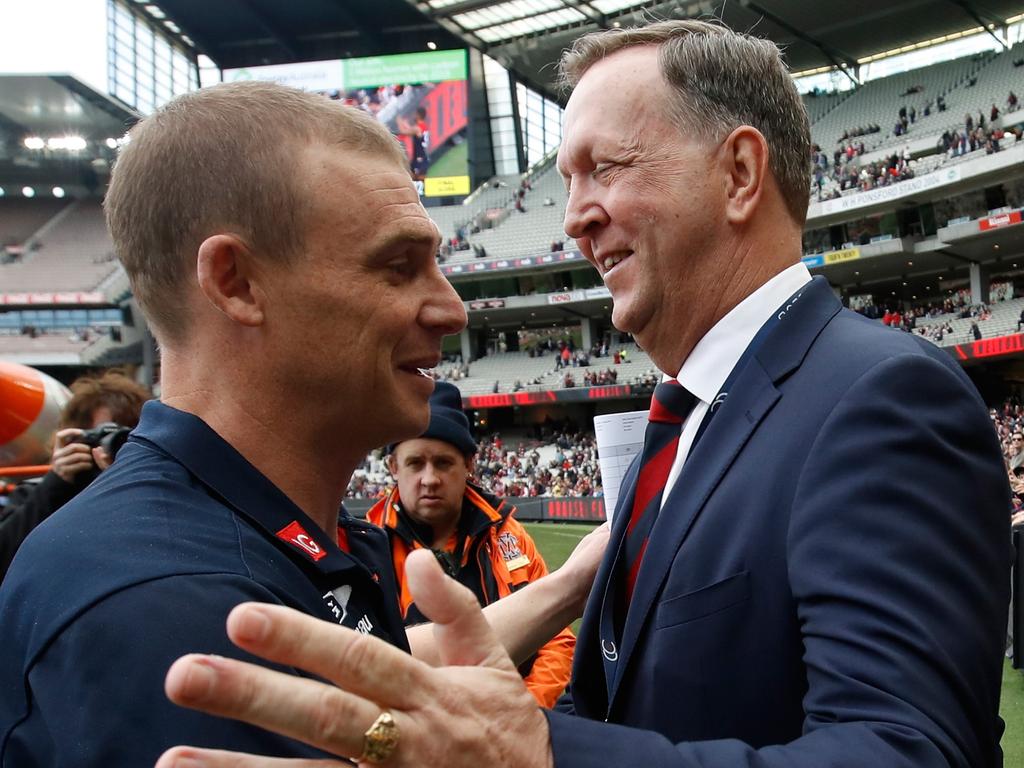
point(398, 239)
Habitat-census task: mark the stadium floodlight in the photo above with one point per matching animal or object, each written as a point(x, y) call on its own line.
point(34, 142)
point(432, 45)
point(28, 192)
point(69, 143)
point(112, 143)
point(58, 192)
point(2, 193)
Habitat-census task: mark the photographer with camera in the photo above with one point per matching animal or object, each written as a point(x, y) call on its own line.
point(94, 424)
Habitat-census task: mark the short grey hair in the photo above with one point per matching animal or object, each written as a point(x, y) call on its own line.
point(723, 79)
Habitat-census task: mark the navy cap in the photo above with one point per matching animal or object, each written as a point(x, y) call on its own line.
point(448, 422)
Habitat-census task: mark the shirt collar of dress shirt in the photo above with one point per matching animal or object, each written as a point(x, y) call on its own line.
point(707, 367)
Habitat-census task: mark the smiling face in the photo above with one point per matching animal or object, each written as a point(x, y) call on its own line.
point(431, 476)
point(356, 316)
point(645, 204)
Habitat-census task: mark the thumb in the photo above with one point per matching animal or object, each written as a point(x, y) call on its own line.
point(463, 635)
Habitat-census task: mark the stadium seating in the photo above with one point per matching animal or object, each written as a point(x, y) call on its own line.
point(820, 104)
point(878, 102)
point(21, 217)
point(71, 252)
point(508, 367)
point(526, 233)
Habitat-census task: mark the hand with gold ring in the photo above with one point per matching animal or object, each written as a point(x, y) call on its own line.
point(380, 740)
point(477, 700)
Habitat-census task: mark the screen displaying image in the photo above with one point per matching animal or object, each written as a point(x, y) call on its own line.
point(422, 98)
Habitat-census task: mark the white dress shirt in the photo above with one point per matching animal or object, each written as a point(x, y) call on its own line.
point(708, 366)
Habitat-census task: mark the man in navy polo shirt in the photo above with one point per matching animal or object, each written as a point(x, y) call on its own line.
point(282, 257)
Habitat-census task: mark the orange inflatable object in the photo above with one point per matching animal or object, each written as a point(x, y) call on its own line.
point(30, 406)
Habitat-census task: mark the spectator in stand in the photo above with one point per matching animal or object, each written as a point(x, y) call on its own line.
point(437, 505)
point(111, 398)
point(1015, 454)
point(1011, 101)
point(976, 331)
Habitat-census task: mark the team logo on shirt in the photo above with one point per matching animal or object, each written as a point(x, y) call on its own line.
point(511, 551)
point(296, 535)
point(337, 603)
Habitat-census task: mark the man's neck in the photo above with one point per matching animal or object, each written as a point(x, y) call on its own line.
point(295, 457)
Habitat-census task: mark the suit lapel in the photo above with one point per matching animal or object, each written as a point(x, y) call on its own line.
point(740, 415)
point(751, 397)
point(590, 692)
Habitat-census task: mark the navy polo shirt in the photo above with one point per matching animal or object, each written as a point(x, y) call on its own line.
point(143, 567)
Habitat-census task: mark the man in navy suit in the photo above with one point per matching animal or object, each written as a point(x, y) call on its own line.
point(826, 574)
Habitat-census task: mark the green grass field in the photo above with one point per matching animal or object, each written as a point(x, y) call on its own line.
point(557, 541)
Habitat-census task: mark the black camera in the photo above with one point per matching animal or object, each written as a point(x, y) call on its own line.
point(108, 436)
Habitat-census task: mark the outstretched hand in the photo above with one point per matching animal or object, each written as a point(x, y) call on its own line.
point(474, 710)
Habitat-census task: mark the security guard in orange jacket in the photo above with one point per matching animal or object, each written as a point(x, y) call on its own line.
point(473, 534)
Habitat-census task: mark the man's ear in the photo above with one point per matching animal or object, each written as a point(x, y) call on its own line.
point(744, 154)
point(470, 465)
point(392, 463)
point(225, 269)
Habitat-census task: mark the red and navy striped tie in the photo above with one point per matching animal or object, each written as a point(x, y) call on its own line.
point(670, 406)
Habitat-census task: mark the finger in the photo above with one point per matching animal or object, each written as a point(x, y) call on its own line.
point(190, 757)
point(318, 714)
point(70, 469)
point(464, 637)
point(65, 434)
point(101, 457)
point(73, 450)
point(362, 664)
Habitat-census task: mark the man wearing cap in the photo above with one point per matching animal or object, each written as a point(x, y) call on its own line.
point(473, 534)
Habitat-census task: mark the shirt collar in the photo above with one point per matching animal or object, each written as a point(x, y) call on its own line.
point(707, 367)
point(229, 477)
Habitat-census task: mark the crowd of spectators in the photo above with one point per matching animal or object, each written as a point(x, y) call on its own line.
point(845, 172)
point(975, 135)
point(514, 468)
point(1008, 420)
point(831, 177)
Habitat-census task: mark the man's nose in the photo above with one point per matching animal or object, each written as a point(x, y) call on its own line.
point(583, 212)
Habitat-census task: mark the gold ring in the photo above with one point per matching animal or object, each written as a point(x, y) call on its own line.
point(380, 739)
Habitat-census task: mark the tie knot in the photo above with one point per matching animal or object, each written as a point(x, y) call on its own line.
point(671, 403)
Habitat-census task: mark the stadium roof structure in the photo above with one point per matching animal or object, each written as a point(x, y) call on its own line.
point(53, 108)
point(528, 35)
point(56, 105)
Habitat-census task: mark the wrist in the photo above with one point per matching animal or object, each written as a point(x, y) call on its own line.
point(572, 590)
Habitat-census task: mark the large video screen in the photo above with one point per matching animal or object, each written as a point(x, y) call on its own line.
point(422, 98)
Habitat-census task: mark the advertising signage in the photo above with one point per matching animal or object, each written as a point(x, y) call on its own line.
point(573, 395)
point(984, 348)
point(422, 98)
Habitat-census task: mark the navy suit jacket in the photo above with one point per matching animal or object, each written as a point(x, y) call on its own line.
point(827, 583)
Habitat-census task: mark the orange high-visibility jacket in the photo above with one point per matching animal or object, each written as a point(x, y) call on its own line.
point(506, 559)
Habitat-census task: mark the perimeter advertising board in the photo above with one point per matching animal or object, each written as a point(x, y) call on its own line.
point(422, 98)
